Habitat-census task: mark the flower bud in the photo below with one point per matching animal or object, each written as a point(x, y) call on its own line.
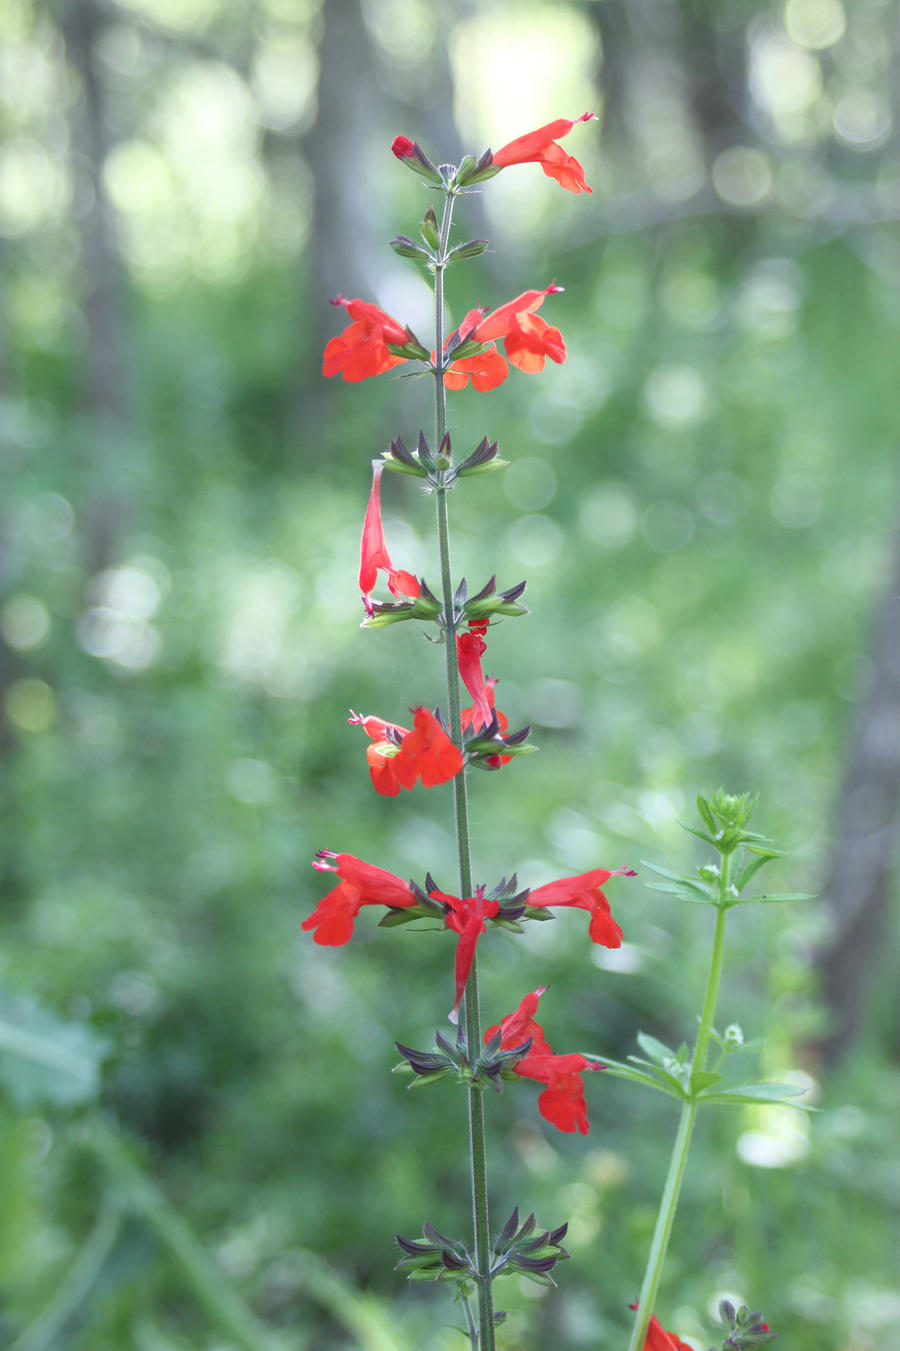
point(429, 228)
point(407, 248)
point(444, 457)
point(471, 249)
point(411, 350)
point(413, 156)
point(734, 1037)
point(471, 172)
point(426, 606)
point(385, 613)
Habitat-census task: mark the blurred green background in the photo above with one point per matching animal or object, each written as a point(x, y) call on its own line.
point(704, 500)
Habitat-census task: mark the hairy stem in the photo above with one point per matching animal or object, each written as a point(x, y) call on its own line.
point(471, 1012)
point(678, 1162)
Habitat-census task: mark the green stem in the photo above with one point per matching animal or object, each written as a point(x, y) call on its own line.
point(470, 1320)
point(74, 1290)
point(678, 1162)
point(471, 1011)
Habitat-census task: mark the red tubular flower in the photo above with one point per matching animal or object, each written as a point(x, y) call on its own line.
point(361, 884)
point(660, 1340)
point(465, 917)
point(562, 1102)
point(398, 757)
point(403, 147)
point(472, 718)
point(386, 737)
point(539, 147)
point(527, 339)
point(517, 1027)
point(374, 554)
point(470, 648)
point(362, 349)
point(487, 370)
point(584, 892)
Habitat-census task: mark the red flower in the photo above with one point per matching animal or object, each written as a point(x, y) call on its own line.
point(361, 884)
point(584, 892)
point(487, 370)
point(660, 1340)
point(562, 1102)
point(403, 147)
point(362, 349)
point(539, 147)
point(465, 917)
point(374, 554)
point(470, 648)
point(517, 1027)
point(472, 718)
point(398, 757)
point(527, 339)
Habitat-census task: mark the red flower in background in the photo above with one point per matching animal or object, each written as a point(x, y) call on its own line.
point(374, 554)
point(539, 147)
point(361, 884)
point(562, 1102)
point(362, 349)
point(466, 917)
point(584, 893)
point(398, 757)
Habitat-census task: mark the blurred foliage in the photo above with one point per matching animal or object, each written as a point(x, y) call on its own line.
point(703, 500)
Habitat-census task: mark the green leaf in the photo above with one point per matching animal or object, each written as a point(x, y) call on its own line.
point(760, 1094)
point(656, 1050)
point(750, 869)
point(774, 897)
point(619, 1070)
point(705, 813)
point(673, 877)
point(672, 1080)
point(681, 894)
point(701, 834)
point(45, 1059)
point(703, 1079)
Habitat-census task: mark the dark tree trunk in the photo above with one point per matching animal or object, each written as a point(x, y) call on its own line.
point(859, 882)
point(105, 393)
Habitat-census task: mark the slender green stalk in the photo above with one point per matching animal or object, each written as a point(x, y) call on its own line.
point(471, 1324)
point(471, 1012)
point(678, 1162)
point(74, 1290)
